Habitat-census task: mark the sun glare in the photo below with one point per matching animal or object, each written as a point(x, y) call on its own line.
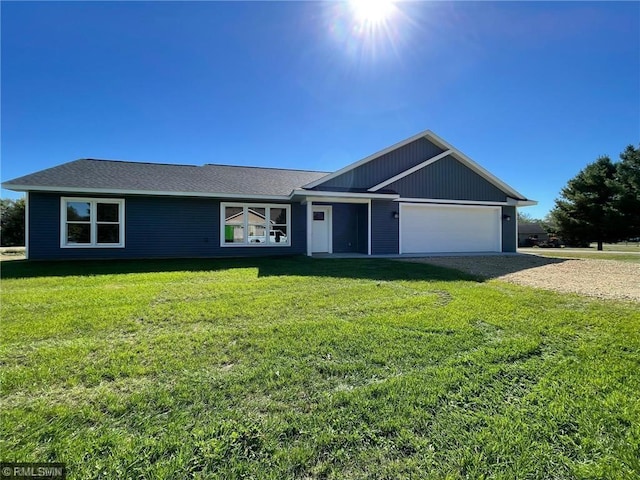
point(369, 30)
point(372, 12)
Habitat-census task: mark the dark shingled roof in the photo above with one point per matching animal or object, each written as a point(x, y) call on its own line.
point(525, 228)
point(156, 177)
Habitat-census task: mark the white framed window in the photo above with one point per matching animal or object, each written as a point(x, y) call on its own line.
point(91, 222)
point(255, 225)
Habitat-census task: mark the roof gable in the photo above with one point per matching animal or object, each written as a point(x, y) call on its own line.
point(380, 166)
point(354, 171)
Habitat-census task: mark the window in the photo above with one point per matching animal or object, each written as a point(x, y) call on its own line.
point(91, 222)
point(255, 225)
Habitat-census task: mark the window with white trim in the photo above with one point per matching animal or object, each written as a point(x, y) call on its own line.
point(91, 222)
point(255, 225)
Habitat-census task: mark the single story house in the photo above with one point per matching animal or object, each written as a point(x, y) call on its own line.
point(530, 234)
point(421, 195)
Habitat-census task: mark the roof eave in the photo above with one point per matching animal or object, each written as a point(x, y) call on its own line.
point(521, 202)
point(301, 192)
point(154, 193)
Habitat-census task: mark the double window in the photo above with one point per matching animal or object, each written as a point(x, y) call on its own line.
point(255, 225)
point(92, 222)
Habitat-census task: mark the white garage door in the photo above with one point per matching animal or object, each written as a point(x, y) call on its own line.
point(449, 228)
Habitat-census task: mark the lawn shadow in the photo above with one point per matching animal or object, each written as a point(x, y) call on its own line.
point(357, 268)
point(487, 267)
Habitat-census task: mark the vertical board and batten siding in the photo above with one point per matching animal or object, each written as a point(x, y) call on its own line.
point(155, 227)
point(509, 235)
point(384, 167)
point(447, 179)
point(385, 234)
point(349, 227)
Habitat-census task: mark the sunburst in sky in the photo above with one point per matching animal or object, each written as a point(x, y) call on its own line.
point(373, 13)
point(367, 29)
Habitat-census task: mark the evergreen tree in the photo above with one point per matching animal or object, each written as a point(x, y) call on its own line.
point(628, 170)
point(588, 208)
point(12, 220)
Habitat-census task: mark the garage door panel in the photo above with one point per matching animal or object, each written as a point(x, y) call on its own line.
point(428, 228)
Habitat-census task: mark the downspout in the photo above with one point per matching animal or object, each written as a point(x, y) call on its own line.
point(26, 225)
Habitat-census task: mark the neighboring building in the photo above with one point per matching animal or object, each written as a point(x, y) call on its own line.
point(419, 196)
point(530, 234)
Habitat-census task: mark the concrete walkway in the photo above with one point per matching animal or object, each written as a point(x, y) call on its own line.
point(417, 255)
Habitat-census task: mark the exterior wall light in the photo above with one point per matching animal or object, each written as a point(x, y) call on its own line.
point(396, 215)
point(506, 217)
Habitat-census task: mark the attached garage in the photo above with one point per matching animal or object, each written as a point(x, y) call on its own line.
point(449, 228)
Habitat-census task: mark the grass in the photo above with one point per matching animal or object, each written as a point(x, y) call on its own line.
point(619, 247)
point(307, 368)
point(622, 252)
point(587, 254)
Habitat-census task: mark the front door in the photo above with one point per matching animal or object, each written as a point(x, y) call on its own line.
point(321, 230)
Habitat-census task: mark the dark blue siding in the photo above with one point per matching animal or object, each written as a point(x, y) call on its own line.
point(156, 227)
point(349, 228)
point(447, 179)
point(384, 167)
point(385, 232)
point(509, 237)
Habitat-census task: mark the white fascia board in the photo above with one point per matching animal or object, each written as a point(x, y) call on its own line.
point(342, 196)
point(109, 191)
point(473, 165)
point(411, 170)
point(509, 202)
point(443, 201)
point(335, 200)
point(366, 160)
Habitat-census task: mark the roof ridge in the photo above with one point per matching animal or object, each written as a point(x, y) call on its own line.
point(262, 168)
point(137, 162)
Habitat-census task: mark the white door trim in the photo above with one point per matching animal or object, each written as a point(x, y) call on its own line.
point(309, 228)
point(369, 227)
point(26, 225)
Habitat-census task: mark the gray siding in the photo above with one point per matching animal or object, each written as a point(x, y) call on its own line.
point(349, 228)
point(447, 179)
point(156, 227)
point(509, 236)
point(385, 232)
point(384, 167)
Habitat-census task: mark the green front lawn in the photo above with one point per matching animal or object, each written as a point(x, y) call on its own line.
point(619, 247)
point(588, 255)
point(308, 368)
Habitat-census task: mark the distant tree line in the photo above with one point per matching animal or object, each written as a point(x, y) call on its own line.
point(12, 220)
point(600, 204)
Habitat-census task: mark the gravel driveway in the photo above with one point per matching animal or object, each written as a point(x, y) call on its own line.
point(596, 278)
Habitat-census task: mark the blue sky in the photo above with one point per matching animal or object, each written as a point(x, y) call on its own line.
point(531, 91)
